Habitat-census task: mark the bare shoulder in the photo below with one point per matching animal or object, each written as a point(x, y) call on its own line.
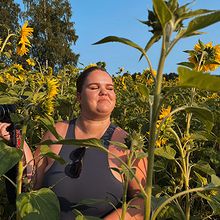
point(119, 135)
point(61, 128)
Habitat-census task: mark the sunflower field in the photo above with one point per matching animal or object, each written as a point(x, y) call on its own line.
point(173, 118)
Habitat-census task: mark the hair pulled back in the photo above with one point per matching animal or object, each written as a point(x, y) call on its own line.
point(83, 76)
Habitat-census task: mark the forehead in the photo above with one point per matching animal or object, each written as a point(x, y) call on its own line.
point(98, 76)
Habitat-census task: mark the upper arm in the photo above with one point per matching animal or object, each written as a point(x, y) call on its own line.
point(41, 162)
point(140, 171)
point(139, 165)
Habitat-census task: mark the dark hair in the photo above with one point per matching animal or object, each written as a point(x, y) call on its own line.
point(83, 76)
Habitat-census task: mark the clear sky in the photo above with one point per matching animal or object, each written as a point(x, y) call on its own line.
point(97, 19)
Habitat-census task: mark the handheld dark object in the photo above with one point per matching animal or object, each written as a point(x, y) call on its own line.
point(5, 111)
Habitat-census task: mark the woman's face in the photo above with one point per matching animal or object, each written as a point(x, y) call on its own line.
point(97, 98)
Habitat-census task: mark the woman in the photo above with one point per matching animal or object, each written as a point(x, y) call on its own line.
point(88, 173)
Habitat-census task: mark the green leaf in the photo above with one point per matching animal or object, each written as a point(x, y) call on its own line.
point(203, 114)
point(153, 40)
point(42, 204)
point(48, 122)
point(8, 100)
point(191, 14)
point(194, 79)
point(119, 144)
point(163, 12)
point(203, 136)
point(91, 142)
point(90, 202)
point(202, 179)
point(80, 216)
point(128, 173)
point(202, 22)
point(204, 167)
point(141, 155)
point(46, 152)
point(186, 64)
point(9, 157)
point(215, 180)
point(143, 90)
point(194, 33)
point(213, 200)
point(215, 204)
point(120, 40)
point(166, 152)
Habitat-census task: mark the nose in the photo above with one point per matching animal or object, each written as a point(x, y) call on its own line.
point(103, 91)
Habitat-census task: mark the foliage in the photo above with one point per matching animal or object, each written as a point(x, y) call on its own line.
point(54, 33)
point(9, 13)
point(172, 119)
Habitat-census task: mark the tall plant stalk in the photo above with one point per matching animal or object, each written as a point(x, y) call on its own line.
point(153, 129)
point(185, 159)
point(20, 167)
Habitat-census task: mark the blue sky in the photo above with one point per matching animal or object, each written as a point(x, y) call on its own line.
point(97, 19)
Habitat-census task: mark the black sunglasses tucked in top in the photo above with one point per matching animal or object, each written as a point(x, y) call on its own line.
point(73, 169)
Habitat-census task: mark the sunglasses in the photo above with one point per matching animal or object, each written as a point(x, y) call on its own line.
point(73, 170)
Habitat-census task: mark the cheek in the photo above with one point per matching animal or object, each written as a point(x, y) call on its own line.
point(113, 98)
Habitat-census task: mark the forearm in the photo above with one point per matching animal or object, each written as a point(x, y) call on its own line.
point(131, 214)
point(28, 160)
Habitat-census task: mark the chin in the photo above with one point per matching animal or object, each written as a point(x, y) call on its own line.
point(104, 111)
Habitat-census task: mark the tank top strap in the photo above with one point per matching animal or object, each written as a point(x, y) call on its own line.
point(108, 134)
point(71, 131)
point(105, 138)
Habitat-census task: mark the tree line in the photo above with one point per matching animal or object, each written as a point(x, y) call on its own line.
point(54, 33)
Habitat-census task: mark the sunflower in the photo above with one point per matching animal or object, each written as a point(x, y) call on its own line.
point(52, 91)
point(163, 114)
point(24, 43)
point(30, 62)
point(49, 106)
point(52, 87)
point(205, 57)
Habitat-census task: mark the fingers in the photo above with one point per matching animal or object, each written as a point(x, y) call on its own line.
point(3, 131)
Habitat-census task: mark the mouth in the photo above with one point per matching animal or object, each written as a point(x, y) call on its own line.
point(103, 100)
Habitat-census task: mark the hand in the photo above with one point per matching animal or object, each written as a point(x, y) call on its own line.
point(4, 133)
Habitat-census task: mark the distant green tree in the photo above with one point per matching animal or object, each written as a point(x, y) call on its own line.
point(9, 16)
point(54, 33)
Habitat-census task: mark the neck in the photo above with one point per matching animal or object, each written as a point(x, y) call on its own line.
point(91, 128)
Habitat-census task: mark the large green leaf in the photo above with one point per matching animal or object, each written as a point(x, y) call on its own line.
point(46, 152)
point(194, 79)
point(163, 12)
point(213, 200)
point(9, 157)
point(48, 122)
point(204, 167)
point(202, 22)
point(120, 40)
point(166, 152)
point(119, 144)
point(42, 204)
point(143, 91)
point(91, 142)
